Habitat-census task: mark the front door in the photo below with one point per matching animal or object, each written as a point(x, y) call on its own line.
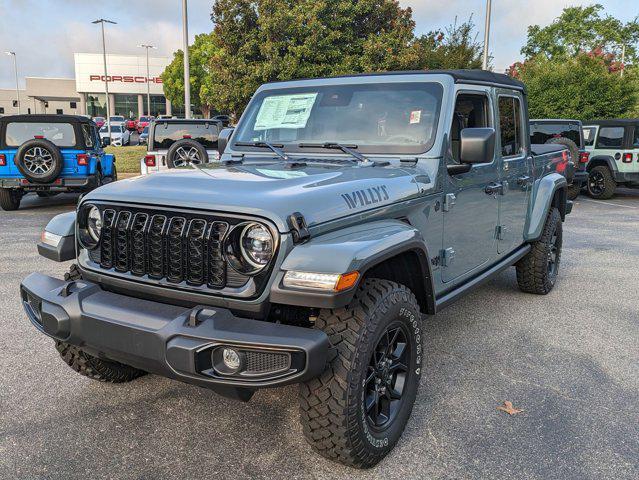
point(470, 214)
point(515, 166)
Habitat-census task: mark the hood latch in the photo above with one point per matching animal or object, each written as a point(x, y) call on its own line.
point(299, 229)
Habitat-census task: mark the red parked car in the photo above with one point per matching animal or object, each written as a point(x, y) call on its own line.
point(144, 122)
point(99, 121)
point(131, 124)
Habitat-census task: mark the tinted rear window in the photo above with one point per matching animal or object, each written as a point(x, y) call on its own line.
point(61, 134)
point(167, 133)
point(542, 132)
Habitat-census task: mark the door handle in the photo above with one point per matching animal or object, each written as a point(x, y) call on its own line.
point(494, 189)
point(523, 180)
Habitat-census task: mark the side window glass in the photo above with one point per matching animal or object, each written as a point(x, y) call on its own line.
point(589, 136)
point(471, 111)
point(510, 128)
point(635, 138)
point(610, 137)
point(89, 140)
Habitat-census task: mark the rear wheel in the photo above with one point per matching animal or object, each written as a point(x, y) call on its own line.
point(10, 199)
point(537, 271)
point(573, 191)
point(356, 411)
point(601, 183)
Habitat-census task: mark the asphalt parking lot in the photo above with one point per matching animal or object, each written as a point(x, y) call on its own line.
point(569, 359)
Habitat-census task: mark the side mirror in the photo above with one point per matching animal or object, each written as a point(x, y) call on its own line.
point(106, 141)
point(223, 139)
point(477, 145)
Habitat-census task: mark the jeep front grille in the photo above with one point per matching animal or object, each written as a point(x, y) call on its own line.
point(164, 246)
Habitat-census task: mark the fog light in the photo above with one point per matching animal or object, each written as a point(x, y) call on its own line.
point(231, 359)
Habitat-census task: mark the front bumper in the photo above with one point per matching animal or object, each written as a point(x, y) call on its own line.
point(172, 341)
point(60, 184)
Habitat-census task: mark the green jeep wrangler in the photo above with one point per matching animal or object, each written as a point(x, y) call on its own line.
point(614, 155)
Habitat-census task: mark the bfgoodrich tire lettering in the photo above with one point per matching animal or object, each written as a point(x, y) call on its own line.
point(332, 406)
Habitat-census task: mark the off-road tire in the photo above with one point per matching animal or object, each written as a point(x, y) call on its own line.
point(96, 368)
point(573, 191)
point(10, 199)
point(533, 272)
point(609, 183)
point(57, 160)
point(187, 144)
point(332, 405)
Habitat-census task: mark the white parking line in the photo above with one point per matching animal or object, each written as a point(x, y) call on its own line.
point(597, 202)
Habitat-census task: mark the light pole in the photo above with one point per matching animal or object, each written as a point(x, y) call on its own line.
point(15, 68)
point(148, 87)
point(623, 59)
point(484, 65)
point(102, 21)
point(187, 73)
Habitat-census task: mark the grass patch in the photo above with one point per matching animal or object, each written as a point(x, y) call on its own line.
point(127, 159)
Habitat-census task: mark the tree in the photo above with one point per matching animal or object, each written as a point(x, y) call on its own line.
point(200, 53)
point(581, 87)
point(259, 41)
point(583, 30)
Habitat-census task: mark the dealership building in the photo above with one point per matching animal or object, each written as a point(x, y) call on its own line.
point(85, 94)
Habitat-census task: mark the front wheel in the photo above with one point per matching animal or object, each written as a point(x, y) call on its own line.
point(537, 271)
point(356, 411)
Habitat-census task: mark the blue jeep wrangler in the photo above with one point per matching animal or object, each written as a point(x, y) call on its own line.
point(50, 154)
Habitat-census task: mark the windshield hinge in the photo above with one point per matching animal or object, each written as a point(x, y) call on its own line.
point(298, 227)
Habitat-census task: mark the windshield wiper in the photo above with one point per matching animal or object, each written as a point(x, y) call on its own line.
point(337, 146)
point(274, 148)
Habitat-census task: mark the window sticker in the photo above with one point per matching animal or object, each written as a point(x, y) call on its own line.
point(415, 116)
point(285, 111)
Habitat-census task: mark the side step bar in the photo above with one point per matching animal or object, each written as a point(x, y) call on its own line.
point(481, 278)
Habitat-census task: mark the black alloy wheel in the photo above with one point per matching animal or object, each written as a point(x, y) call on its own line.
point(388, 369)
point(596, 183)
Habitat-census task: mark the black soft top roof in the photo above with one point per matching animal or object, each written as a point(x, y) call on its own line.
point(481, 77)
point(614, 121)
point(46, 117)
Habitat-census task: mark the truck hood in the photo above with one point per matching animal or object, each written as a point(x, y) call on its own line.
point(269, 190)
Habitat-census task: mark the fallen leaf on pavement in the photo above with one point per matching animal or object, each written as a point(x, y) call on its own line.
point(509, 409)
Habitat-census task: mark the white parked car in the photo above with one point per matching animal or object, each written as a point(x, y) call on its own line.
point(119, 134)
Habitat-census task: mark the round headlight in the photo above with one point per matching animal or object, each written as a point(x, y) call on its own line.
point(256, 244)
point(94, 223)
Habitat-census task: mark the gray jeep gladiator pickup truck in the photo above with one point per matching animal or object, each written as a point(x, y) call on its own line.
point(343, 211)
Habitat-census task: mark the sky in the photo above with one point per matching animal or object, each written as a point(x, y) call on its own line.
point(45, 33)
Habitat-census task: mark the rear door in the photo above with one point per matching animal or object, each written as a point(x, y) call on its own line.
point(515, 164)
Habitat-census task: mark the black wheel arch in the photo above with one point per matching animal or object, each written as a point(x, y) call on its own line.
point(602, 160)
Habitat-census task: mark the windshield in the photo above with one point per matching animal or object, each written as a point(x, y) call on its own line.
point(98, 119)
point(377, 118)
point(144, 119)
point(167, 133)
point(114, 129)
point(145, 131)
point(61, 134)
point(116, 119)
